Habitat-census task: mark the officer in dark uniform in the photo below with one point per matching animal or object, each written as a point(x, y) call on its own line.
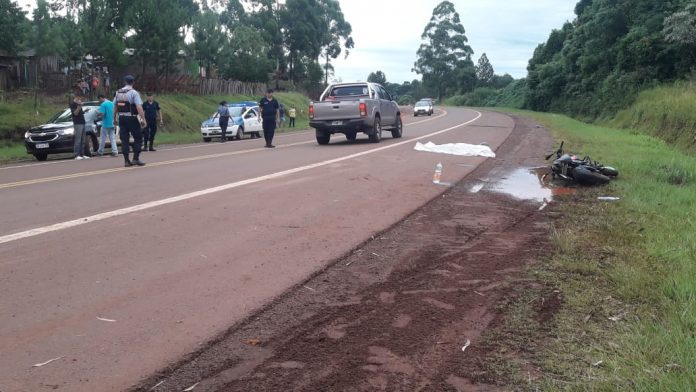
point(130, 118)
point(152, 112)
point(270, 114)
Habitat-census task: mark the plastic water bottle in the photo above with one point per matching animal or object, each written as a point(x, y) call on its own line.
point(438, 173)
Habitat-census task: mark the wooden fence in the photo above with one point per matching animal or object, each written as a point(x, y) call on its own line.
point(185, 84)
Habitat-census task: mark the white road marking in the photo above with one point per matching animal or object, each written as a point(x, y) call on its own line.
point(206, 145)
point(157, 203)
point(155, 164)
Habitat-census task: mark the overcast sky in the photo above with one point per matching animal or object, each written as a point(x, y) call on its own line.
point(387, 33)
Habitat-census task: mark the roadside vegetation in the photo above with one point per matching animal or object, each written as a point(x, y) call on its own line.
point(668, 112)
point(623, 271)
point(183, 115)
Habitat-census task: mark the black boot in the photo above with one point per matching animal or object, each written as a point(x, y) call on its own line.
point(128, 163)
point(152, 146)
point(137, 161)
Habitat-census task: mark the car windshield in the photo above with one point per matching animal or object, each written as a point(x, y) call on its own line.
point(349, 91)
point(61, 117)
point(422, 103)
point(65, 116)
point(235, 111)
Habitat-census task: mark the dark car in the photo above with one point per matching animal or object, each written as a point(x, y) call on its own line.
point(57, 135)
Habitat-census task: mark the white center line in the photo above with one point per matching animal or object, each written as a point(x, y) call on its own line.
point(204, 192)
point(204, 145)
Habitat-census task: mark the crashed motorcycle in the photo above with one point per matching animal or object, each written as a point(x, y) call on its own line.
point(584, 171)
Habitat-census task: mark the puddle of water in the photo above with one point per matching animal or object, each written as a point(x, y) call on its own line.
point(528, 184)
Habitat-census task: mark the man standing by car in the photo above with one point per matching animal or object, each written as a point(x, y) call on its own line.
point(107, 129)
point(78, 118)
point(270, 114)
point(129, 116)
point(152, 111)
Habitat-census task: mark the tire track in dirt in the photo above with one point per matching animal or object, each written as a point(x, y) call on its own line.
point(395, 314)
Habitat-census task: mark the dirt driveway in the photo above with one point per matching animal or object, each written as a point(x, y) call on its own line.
point(395, 314)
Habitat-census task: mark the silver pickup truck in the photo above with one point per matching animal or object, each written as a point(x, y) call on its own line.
point(350, 108)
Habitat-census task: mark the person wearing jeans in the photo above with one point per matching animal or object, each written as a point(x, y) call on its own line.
point(108, 130)
point(78, 117)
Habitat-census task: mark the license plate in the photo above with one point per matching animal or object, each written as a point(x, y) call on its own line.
point(41, 145)
point(337, 123)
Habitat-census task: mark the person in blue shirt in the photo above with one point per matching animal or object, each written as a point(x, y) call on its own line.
point(106, 109)
point(224, 119)
point(152, 112)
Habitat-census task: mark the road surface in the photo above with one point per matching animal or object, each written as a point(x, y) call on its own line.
point(117, 272)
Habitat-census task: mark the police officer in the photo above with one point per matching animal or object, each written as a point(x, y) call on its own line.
point(270, 113)
point(130, 118)
point(152, 112)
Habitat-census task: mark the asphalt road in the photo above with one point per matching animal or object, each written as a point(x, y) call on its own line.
point(117, 272)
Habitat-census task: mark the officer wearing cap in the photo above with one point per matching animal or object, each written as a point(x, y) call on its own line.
point(270, 113)
point(129, 116)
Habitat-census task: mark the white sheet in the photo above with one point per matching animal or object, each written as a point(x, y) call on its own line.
point(463, 149)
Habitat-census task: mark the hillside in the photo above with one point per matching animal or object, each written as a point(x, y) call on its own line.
point(667, 112)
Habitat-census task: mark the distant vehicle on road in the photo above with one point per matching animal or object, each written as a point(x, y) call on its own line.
point(424, 107)
point(350, 108)
point(57, 135)
point(245, 119)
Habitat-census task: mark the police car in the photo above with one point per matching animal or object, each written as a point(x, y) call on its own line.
point(245, 119)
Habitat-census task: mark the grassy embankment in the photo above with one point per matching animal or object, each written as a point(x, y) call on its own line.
point(183, 115)
point(668, 112)
point(626, 272)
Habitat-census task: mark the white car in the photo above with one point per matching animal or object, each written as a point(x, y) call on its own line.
point(424, 107)
point(245, 119)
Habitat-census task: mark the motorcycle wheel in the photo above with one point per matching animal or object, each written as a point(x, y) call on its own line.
point(583, 175)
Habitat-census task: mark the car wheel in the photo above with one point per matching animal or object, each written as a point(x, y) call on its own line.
point(351, 136)
point(90, 145)
point(376, 135)
point(398, 128)
point(323, 138)
point(258, 135)
point(240, 133)
point(415, 114)
point(41, 156)
point(207, 139)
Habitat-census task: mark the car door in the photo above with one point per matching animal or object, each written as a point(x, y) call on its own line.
point(251, 121)
point(386, 107)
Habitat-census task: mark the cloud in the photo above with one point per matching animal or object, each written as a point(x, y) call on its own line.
point(387, 33)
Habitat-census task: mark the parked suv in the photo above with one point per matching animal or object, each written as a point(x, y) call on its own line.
point(57, 135)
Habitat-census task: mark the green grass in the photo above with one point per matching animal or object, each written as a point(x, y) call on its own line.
point(668, 112)
point(19, 113)
point(634, 260)
point(183, 115)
